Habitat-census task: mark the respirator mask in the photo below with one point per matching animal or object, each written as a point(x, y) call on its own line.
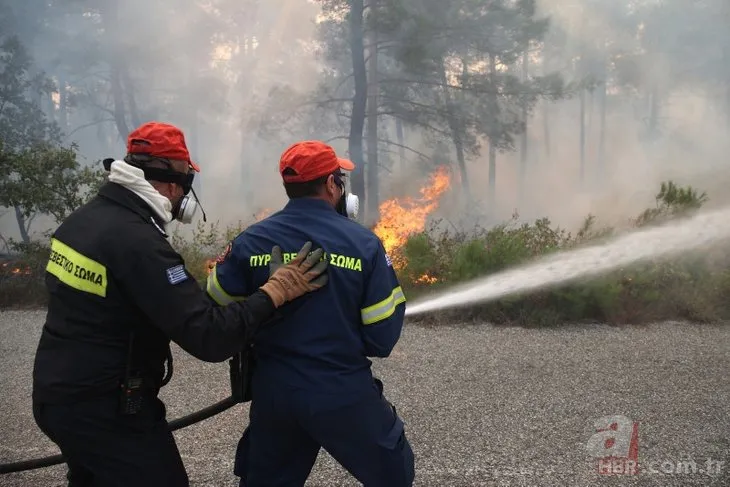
point(186, 207)
point(349, 204)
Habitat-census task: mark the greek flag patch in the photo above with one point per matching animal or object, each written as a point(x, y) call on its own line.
point(176, 274)
point(388, 261)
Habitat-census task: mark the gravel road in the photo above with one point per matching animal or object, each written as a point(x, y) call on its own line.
point(483, 405)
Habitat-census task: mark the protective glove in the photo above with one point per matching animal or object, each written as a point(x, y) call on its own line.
point(302, 275)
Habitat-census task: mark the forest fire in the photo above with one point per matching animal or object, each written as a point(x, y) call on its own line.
point(426, 279)
point(403, 217)
point(15, 270)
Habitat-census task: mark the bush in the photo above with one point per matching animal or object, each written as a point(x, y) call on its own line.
point(22, 275)
point(204, 245)
point(692, 287)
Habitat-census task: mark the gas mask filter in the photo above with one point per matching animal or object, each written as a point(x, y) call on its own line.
point(352, 205)
point(349, 204)
point(186, 207)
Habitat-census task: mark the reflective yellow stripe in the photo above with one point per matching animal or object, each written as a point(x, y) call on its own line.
point(384, 309)
point(76, 270)
point(216, 291)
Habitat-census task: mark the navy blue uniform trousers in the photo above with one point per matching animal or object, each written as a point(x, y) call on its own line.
point(105, 449)
point(288, 427)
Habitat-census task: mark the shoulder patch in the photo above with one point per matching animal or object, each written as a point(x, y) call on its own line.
point(224, 255)
point(388, 261)
point(176, 274)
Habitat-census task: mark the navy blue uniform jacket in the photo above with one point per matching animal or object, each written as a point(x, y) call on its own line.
point(322, 340)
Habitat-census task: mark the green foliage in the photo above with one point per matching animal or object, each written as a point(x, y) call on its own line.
point(37, 174)
point(672, 201)
point(45, 179)
point(692, 287)
point(420, 254)
point(22, 122)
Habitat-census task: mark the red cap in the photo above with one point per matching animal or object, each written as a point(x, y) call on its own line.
point(161, 140)
point(311, 159)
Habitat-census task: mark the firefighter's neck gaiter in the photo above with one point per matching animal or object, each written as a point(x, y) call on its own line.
point(133, 179)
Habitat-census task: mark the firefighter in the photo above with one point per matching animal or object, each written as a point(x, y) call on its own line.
point(312, 385)
point(118, 294)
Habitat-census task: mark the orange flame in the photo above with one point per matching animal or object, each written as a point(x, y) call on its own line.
point(17, 270)
point(401, 218)
point(426, 279)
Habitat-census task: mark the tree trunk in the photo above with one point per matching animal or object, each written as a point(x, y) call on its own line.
point(590, 104)
point(359, 101)
point(726, 63)
point(725, 14)
point(654, 110)
point(546, 127)
point(582, 121)
point(602, 128)
point(523, 148)
point(62, 102)
point(727, 100)
point(547, 65)
point(129, 91)
point(462, 166)
point(373, 198)
point(110, 19)
point(401, 142)
point(492, 147)
point(118, 96)
point(455, 128)
point(22, 225)
point(582, 71)
point(492, 173)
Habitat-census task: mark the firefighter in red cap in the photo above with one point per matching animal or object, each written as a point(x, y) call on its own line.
point(118, 294)
point(312, 385)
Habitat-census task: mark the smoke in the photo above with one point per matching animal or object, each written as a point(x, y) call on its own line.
point(666, 118)
point(221, 70)
point(211, 68)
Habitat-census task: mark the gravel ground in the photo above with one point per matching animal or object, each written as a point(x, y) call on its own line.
point(482, 405)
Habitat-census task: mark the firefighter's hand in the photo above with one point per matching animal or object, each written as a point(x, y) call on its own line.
point(304, 274)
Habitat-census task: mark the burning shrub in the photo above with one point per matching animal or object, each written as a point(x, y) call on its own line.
point(693, 286)
point(22, 273)
point(421, 263)
point(403, 218)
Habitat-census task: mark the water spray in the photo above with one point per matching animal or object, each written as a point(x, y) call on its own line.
point(696, 232)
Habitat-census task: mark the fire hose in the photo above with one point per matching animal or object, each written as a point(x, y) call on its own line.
point(239, 374)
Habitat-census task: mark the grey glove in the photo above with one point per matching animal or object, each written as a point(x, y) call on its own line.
point(302, 275)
